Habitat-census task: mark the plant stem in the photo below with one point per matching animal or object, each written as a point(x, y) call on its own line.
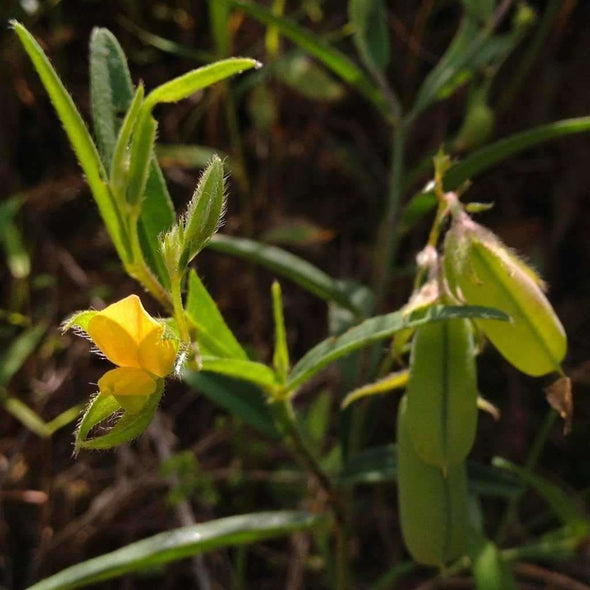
point(529, 466)
point(141, 272)
point(285, 419)
point(194, 361)
point(388, 236)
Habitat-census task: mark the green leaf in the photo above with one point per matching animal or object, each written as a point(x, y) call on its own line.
point(157, 212)
point(392, 381)
point(179, 544)
point(492, 154)
point(111, 89)
point(369, 19)
point(204, 211)
point(79, 138)
point(127, 427)
point(187, 156)
point(213, 335)
point(280, 359)
point(119, 163)
point(239, 398)
point(333, 59)
point(308, 78)
point(142, 147)
point(195, 80)
point(251, 371)
point(376, 329)
point(379, 465)
point(19, 351)
point(562, 503)
point(289, 266)
point(487, 157)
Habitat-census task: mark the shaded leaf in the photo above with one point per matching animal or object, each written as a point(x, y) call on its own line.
point(179, 544)
point(213, 335)
point(375, 329)
point(369, 19)
point(289, 266)
point(239, 398)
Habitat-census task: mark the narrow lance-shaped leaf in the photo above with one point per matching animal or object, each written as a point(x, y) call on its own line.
point(379, 328)
point(195, 80)
point(377, 465)
point(563, 505)
point(369, 19)
point(487, 157)
point(110, 79)
point(289, 266)
point(281, 352)
point(396, 380)
point(239, 398)
point(110, 89)
point(79, 138)
point(251, 371)
point(142, 146)
point(213, 335)
point(120, 162)
point(179, 544)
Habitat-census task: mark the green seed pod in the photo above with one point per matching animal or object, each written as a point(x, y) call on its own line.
point(477, 127)
point(433, 508)
point(442, 392)
point(489, 274)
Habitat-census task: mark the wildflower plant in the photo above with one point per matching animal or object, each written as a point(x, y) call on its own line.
point(468, 286)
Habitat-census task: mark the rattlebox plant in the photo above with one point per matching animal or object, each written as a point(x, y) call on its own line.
point(468, 289)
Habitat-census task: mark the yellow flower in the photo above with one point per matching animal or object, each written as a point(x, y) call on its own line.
point(130, 338)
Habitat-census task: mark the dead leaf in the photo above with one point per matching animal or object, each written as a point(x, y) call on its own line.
point(559, 396)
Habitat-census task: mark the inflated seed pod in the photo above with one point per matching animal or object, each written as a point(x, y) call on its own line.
point(433, 508)
point(442, 392)
point(487, 273)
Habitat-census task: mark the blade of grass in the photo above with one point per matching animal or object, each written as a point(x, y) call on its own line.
point(178, 544)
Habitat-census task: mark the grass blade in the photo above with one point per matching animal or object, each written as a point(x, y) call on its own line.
point(179, 544)
point(288, 265)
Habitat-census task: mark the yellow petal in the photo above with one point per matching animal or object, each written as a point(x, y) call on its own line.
point(119, 329)
point(114, 341)
point(156, 354)
point(125, 381)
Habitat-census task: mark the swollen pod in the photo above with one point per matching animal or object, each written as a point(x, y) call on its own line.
point(485, 272)
point(442, 392)
point(433, 508)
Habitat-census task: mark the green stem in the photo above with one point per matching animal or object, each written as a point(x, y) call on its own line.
point(141, 272)
point(529, 466)
point(286, 422)
point(388, 234)
point(194, 362)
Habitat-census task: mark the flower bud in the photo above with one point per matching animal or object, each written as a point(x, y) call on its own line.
point(481, 269)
